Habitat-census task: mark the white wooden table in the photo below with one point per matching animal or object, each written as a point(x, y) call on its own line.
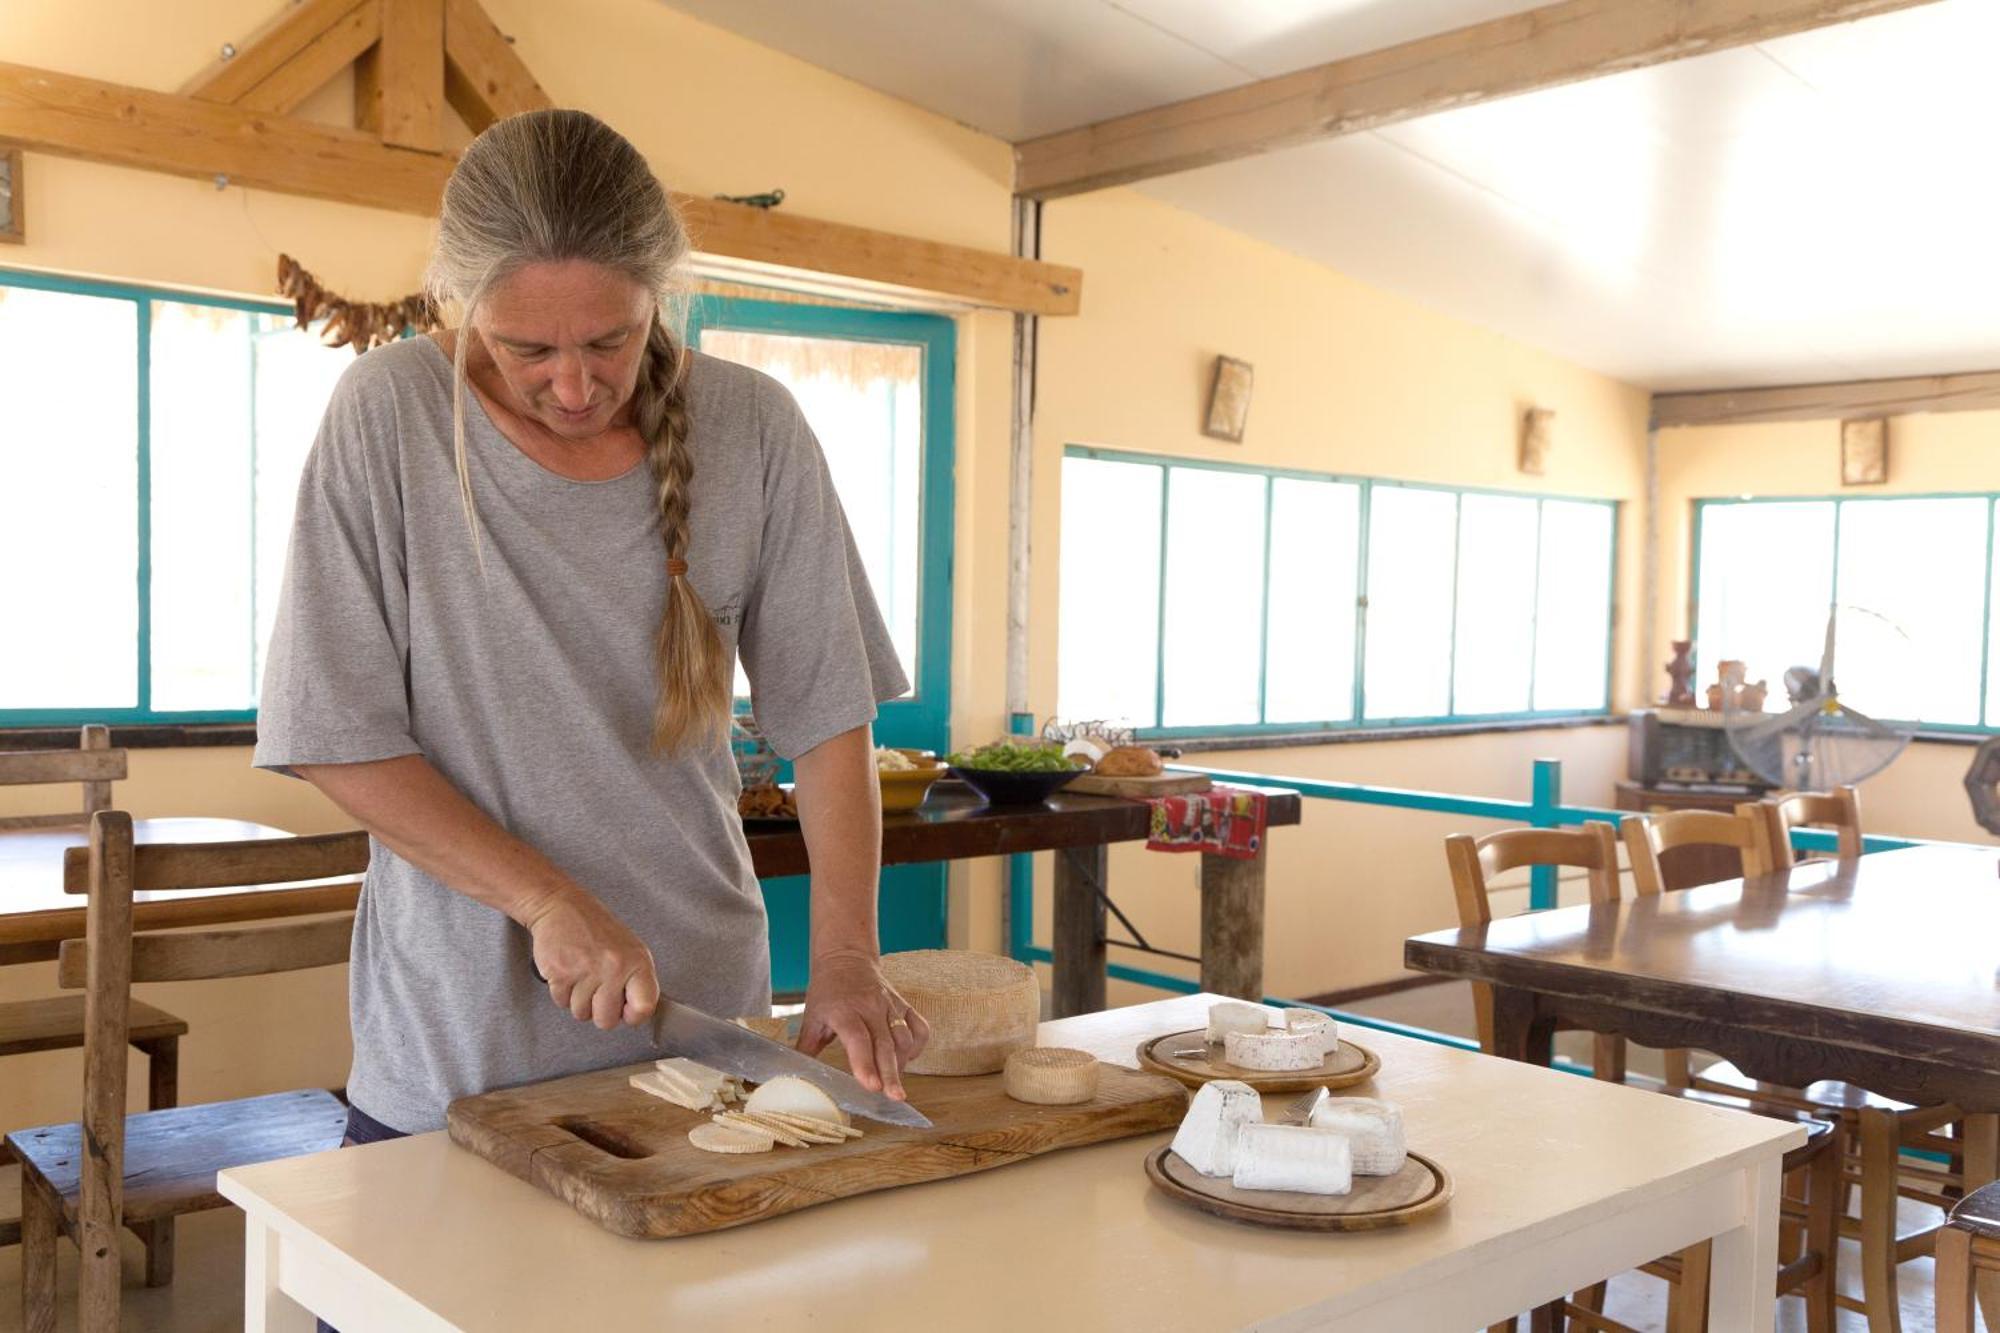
point(1561, 1181)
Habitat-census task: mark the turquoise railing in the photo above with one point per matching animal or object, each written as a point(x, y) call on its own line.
point(1544, 808)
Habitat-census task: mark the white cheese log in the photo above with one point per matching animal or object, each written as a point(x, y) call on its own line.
point(1373, 1129)
point(1273, 1052)
point(1207, 1137)
point(1297, 1158)
point(981, 1007)
point(1235, 1016)
point(1312, 1020)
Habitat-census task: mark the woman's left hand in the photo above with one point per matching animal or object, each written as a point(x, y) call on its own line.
point(847, 998)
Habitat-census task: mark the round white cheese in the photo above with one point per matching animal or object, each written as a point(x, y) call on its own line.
point(981, 1007)
point(1274, 1052)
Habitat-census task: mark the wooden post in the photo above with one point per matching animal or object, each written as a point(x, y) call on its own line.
point(1078, 939)
point(41, 1225)
point(96, 795)
point(106, 1013)
point(1232, 925)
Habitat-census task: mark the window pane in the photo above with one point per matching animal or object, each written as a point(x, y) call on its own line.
point(1214, 597)
point(1411, 560)
point(295, 374)
point(201, 470)
point(1993, 642)
point(1765, 577)
point(1315, 546)
point(1110, 570)
point(69, 460)
point(864, 401)
point(1494, 661)
point(1573, 606)
point(1912, 596)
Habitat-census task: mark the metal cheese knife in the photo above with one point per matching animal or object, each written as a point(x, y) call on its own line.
point(680, 1029)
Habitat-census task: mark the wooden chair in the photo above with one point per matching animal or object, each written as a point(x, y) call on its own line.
point(156, 1165)
point(1967, 1248)
point(56, 1023)
point(1839, 809)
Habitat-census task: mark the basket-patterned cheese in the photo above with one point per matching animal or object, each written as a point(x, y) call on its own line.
point(1274, 1052)
point(981, 1008)
point(1051, 1076)
point(1373, 1129)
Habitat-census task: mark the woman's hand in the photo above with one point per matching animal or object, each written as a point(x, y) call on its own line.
point(847, 998)
point(595, 967)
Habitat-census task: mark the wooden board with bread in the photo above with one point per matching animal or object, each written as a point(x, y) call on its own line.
point(1137, 773)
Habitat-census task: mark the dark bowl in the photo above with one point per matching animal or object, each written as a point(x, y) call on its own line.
point(1002, 787)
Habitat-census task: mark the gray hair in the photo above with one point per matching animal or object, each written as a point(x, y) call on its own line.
point(553, 186)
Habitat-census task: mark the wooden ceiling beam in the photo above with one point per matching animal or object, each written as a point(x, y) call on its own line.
point(399, 86)
point(1541, 48)
point(1846, 400)
point(260, 55)
point(185, 136)
point(483, 79)
point(317, 63)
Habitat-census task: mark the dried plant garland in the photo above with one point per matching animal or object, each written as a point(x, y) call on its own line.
point(357, 324)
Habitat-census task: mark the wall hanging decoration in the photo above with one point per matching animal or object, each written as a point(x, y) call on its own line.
point(1228, 400)
point(1535, 425)
point(1864, 452)
point(12, 222)
point(357, 324)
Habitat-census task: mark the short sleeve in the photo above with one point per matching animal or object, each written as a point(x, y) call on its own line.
point(335, 682)
point(813, 642)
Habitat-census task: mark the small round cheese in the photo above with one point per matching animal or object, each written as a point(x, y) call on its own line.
point(729, 1139)
point(1051, 1076)
point(1276, 1051)
point(981, 1007)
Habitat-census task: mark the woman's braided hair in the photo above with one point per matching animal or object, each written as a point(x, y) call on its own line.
point(554, 186)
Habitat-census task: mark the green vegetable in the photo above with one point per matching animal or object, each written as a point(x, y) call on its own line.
point(1001, 756)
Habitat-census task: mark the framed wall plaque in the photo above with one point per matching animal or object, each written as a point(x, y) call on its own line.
point(11, 218)
point(1864, 452)
point(1228, 400)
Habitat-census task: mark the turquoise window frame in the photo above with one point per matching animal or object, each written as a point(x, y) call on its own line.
point(1839, 503)
point(1367, 484)
point(142, 299)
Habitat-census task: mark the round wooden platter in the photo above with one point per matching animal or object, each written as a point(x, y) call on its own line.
point(1346, 1065)
point(1412, 1194)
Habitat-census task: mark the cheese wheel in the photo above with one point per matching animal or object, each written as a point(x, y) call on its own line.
point(1373, 1130)
point(1051, 1076)
point(981, 1008)
point(1276, 1051)
point(1312, 1020)
point(1235, 1016)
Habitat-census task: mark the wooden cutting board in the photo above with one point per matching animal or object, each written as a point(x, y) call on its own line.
point(1141, 789)
point(621, 1157)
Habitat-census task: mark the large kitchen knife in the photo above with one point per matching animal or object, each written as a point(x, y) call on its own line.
point(680, 1029)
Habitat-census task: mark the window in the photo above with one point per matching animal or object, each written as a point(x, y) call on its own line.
point(1210, 597)
point(1909, 579)
point(157, 440)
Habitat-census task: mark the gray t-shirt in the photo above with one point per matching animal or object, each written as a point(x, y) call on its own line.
point(531, 688)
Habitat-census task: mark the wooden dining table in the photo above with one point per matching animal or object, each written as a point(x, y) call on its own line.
point(36, 915)
point(1882, 971)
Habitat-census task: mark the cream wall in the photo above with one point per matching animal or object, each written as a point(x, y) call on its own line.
point(1920, 794)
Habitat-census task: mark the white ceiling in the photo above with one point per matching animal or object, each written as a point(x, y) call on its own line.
point(1824, 206)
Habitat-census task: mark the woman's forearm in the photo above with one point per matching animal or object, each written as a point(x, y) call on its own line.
point(423, 818)
point(840, 814)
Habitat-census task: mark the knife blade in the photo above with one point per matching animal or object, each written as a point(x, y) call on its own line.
point(681, 1029)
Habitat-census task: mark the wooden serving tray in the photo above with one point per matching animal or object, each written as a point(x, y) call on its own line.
point(1141, 789)
point(621, 1157)
point(1347, 1064)
point(1418, 1190)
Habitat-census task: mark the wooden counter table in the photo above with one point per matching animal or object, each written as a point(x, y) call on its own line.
point(953, 824)
point(36, 916)
point(418, 1234)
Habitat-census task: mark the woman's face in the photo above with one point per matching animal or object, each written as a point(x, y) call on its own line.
point(568, 340)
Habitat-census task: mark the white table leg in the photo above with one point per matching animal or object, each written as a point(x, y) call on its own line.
point(265, 1308)
point(1743, 1276)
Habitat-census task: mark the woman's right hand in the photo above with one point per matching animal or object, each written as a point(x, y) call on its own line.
point(595, 967)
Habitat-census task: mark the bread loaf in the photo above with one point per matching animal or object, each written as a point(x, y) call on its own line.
point(1129, 761)
point(981, 1007)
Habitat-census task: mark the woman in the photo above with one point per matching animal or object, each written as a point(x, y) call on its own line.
point(505, 648)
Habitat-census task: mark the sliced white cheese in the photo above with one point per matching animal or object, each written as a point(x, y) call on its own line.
point(1312, 1020)
point(1373, 1129)
point(694, 1085)
point(1276, 1051)
point(1297, 1158)
point(1235, 1016)
point(791, 1095)
point(671, 1090)
point(1206, 1139)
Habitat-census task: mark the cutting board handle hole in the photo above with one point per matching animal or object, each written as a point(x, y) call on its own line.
point(602, 1139)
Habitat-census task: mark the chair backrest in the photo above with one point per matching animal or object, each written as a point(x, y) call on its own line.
point(1839, 809)
point(1475, 861)
point(111, 958)
point(1646, 839)
point(93, 763)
